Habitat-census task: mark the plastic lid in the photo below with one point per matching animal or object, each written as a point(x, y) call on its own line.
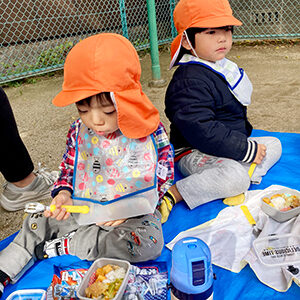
point(191, 271)
point(32, 294)
point(278, 250)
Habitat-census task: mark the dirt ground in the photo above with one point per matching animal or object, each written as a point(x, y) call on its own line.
point(273, 69)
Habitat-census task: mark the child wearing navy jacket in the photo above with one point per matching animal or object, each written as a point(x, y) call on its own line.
point(206, 103)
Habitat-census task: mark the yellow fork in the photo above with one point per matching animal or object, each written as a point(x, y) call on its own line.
point(81, 209)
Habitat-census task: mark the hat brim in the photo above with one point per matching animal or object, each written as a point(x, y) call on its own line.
point(203, 23)
point(215, 22)
point(137, 116)
point(65, 98)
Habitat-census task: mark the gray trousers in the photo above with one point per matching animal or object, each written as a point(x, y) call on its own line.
point(137, 239)
point(208, 178)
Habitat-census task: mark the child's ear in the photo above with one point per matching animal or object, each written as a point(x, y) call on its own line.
point(185, 43)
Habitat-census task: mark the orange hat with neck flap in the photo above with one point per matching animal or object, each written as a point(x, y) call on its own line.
point(108, 62)
point(202, 14)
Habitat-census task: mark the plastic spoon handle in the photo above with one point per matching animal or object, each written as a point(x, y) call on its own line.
point(247, 214)
point(251, 169)
point(81, 209)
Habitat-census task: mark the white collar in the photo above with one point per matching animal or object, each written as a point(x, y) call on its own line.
point(236, 79)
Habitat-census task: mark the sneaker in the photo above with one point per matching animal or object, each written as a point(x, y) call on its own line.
point(57, 247)
point(14, 198)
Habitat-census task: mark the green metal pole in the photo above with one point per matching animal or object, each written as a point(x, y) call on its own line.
point(172, 7)
point(123, 18)
point(156, 76)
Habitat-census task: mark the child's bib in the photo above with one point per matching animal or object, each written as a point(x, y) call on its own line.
point(237, 80)
point(111, 170)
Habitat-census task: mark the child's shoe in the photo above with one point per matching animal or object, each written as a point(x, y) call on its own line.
point(14, 198)
point(56, 247)
point(167, 203)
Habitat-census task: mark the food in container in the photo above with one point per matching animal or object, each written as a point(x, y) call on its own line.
point(105, 282)
point(282, 204)
point(106, 279)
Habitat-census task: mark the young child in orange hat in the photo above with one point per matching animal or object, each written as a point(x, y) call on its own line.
point(118, 162)
point(206, 103)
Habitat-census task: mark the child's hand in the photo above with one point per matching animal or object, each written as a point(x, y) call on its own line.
point(62, 198)
point(112, 223)
point(261, 153)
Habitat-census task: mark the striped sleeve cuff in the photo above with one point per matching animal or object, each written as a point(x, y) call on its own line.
point(251, 152)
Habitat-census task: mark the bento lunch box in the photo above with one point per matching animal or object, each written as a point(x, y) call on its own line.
point(280, 216)
point(98, 264)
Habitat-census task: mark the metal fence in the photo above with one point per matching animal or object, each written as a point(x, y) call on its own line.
point(36, 35)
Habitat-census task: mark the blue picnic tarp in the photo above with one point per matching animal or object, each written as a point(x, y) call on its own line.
point(228, 285)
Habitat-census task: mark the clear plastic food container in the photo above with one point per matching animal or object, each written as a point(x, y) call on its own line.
point(32, 294)
point(98, 264)
point(278, 250)
point(275, 213)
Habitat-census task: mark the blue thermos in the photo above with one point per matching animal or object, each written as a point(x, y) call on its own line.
point(191, 276)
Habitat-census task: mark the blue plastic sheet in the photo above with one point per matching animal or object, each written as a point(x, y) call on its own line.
point(228, 285)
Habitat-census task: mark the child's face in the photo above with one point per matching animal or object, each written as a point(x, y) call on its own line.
point(100, 117)
point(213, 44)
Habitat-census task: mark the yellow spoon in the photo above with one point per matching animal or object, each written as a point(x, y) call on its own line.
point(247, 214)
point(239, 199)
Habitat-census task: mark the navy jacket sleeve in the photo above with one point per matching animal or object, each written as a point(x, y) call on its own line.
point(205, 115)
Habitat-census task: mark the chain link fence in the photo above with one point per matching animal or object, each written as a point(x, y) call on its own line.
point(36, 35)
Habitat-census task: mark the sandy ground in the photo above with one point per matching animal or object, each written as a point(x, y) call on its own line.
point(273, 69)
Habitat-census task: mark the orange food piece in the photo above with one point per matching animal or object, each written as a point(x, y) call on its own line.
point(100, 278)
point(285, 209)
point(99, 272)
point(266, 200)
point(107, 269)
point(276, 195)
point(95, 290)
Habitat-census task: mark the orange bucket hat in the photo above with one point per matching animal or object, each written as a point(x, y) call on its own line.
point(200, 13)
point(108, 62)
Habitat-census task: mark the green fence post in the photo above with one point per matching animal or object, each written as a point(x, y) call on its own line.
point(123, 18)
point(156, 76)
point(172, 7)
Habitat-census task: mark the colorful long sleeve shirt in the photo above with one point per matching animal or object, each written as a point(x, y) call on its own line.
point(164, 152)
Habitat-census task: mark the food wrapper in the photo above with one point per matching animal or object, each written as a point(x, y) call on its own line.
point(66, 280)
point(147, 281)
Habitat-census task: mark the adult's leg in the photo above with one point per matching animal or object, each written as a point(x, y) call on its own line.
point(209, 178)
point(15, 163)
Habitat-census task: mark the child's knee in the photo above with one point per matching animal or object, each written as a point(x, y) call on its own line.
point(276, 147)
point(238, 180)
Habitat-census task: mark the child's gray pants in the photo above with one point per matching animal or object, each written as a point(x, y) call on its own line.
point(209, 178)
point(137, 239)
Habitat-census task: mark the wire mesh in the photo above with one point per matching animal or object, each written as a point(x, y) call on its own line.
point(36, 35)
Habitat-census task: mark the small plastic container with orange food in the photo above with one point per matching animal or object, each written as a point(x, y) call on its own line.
point(112, 272)
point(281, 205)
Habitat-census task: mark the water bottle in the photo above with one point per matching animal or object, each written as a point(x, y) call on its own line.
point(191, 276)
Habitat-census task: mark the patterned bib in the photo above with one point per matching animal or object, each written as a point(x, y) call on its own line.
point(111, 168)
